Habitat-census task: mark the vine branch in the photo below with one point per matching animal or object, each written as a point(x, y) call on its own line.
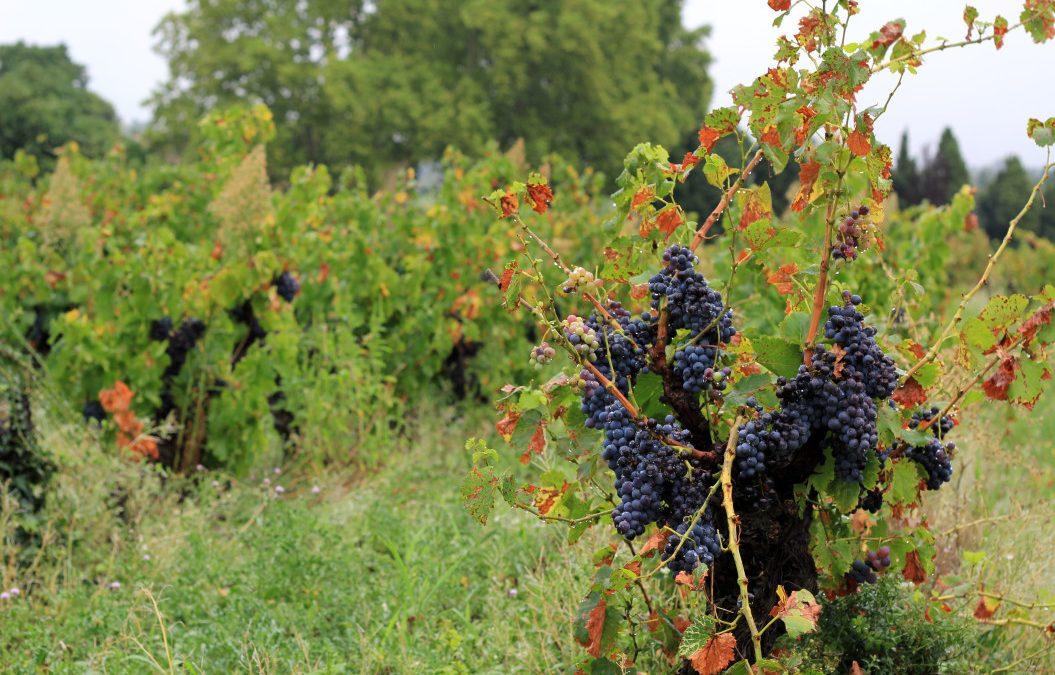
point(932, 353)
point(734, 537)
point(701, 233)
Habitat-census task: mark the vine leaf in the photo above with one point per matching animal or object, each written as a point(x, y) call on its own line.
point(986, 608)
point(910, 394)
point(997, 385)
point(799, 611)
point(780, 5)
point(597, 625)
point(715, 655)
point(914, 571)
point(969, 15)
point(508, 424)
point(696, 635)
point(807, 177)
point(780, 356)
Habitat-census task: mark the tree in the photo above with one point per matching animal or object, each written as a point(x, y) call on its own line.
point(395, 82)
point(946, 172)
point(45, 101)
point(906, 176)
point(1001, 200)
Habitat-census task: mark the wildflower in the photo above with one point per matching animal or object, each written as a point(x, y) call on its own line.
point(115, 585)
point(15, 592)
point(279, 489)
point(316, 489)
point(5, 596)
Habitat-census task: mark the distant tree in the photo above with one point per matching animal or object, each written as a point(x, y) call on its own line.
point(45, 102)
point(906, 176)
point(946, 172)
point(1003, 198)
point(396, 81)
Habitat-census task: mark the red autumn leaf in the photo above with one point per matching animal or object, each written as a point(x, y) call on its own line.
point(639, 291)
point(689, 160)
point(53, 278)
point(997, 385)
point(643, 196)
point(681, 624)
point(782, 278)
point(793, 605)
point(708, 137)
point(507, 276)
point(538, 439)
point(540, 195)
point(807, 177)
point(510, 205)
point(839, 352)
point(324, 273)
point(654, 543)
point(595, 628)
point(858, 143)
point(807, 113)
point(715, 655)
point(888, 34)
point(770, 136)
point(986, 608)
point(653, 622)
point(508, 424)
point(755, 209)
point(910, 394)
point(668, 220)
point(683, 578)
point(809, 26)
point(914, 571)
point(999, 30)
point(916, 349)
point(546, 498)
point(855, 669)
point(217, 251)
point(780, 5)
point(1042, 317)
point(970, 223)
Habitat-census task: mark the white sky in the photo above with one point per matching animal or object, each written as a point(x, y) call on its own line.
point(984, 95)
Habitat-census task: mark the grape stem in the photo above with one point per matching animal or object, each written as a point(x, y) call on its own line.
point(732, 521)
point(821, 291)
point(727, 196)
point(932, 353)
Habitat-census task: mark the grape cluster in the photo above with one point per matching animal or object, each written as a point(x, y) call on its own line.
point(878, 560)
point(692, 305)
point(848, 238)
point(935, 455)
point(871, 501)
point(862, 572)
point(581, 279)
point(694, 366)
point(287, 286)
point(542, 354)
point(700, 545)
point(181, 341)
point(945, 424)
point(834, 395)
point(655, 481)
point(934, 458)
point(582, 338)
point(160, 329)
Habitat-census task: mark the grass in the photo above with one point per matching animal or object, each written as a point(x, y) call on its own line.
point(386, 573)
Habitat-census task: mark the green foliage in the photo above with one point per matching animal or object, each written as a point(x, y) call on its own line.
point(906, 176)
point(944, 173)
point(1001, 200)
point(888, 628)
point(393, 295)
point(47, 103)
point(399, 82)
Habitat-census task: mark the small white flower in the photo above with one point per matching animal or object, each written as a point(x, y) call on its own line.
point(316, 490)
point(216, 483)
point(279, 489)
point(5, 596)
point(15, 592)
point(146, 556)
point(199, 468)
point(512, 592)
point(267, 482)
point(115, 585)
point(278, 470)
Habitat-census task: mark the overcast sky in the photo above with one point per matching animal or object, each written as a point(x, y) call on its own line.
point(984, 95)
